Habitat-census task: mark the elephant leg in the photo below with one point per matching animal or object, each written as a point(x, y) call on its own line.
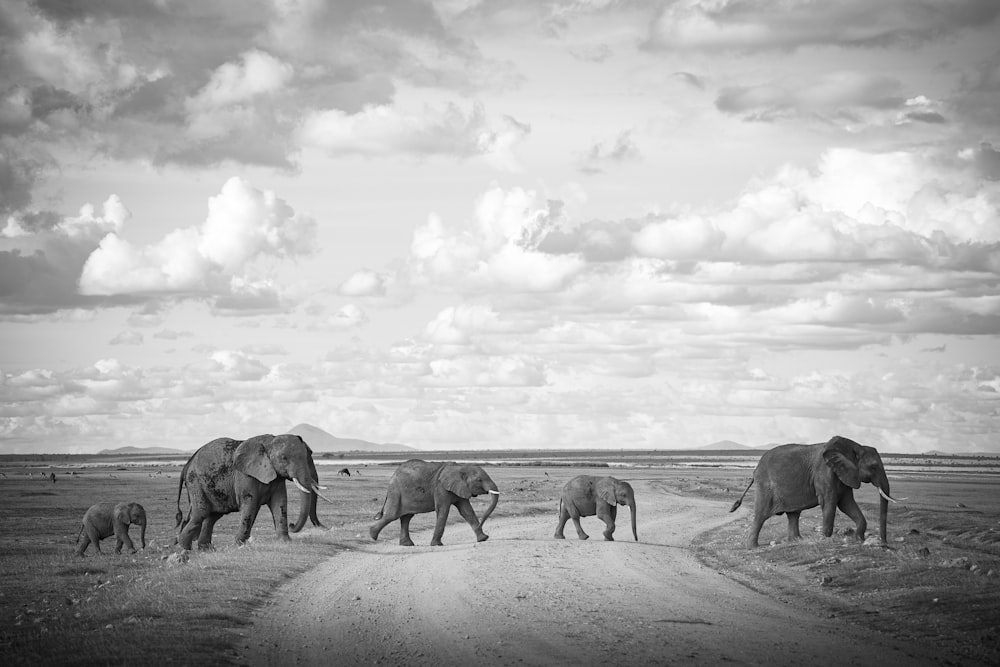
point(793, 526)
point(279, 513)
point(442, 519)
point(190, 529)
point(82, 543)
point(248, 515)
point(575, 515)
point(95, 537)
point(469, 514)
point(563, 518)
point(404, 531)
point(829, 512)
point(377, 527)
point(205, 534)
point(849, 506)
point(122, 538)
point(760, 515)
point(608, 517)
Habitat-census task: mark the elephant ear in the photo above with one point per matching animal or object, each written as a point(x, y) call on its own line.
point(842, 463)
point(251, 458)
point(453, 478)
point(605, 490)
point(121, 515)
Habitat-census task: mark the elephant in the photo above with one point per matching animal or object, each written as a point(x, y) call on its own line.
point(420, 486)
point(344, 471)
point(792, 478)
point(107, 519)
point(587, 495)
point(227, 475)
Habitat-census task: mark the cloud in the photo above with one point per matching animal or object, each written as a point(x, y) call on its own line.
point(734, 25)
point(599, 156)
point(498, 249)
point(243, 225)
point(384, 130)
point(348, 317)
point(127, 337)
point(365, 282)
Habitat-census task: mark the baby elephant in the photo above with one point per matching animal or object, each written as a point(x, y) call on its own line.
point(587, 495)
point(107, 519)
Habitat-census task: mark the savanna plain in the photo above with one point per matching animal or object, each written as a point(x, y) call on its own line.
point(688, 592)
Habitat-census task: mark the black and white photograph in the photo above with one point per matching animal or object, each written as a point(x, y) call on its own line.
point(502, 332)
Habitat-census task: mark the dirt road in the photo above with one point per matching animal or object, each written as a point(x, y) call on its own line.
point(524, 598)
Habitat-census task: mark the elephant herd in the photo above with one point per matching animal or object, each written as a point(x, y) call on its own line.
point(227, 476)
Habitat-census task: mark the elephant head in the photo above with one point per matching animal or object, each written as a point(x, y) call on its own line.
point(268, 457)
point(134, 513)
point(616, 492)
point(468, 481)
point(855, 465)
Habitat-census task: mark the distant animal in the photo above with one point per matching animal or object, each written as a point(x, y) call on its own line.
point(3, 474)
point(418, 486)
point(107, 519)
point(792, 478)
point(52, 476)
point(344, 471)
point(586, 495)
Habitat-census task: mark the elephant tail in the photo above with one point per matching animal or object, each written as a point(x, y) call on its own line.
point(381, 512)
point(739, 501)
point(180, 488)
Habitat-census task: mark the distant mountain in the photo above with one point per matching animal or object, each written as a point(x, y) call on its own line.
point(321, 441)
point(726, 445)
point(143, 450)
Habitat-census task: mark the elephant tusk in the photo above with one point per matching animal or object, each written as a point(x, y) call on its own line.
point(301, 488)
point(316, 490)
point(887, 496)
point(495, 493)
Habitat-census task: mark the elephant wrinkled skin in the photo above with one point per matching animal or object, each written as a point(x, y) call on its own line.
point(792, 478)
point(107, 519)
point(587, 495)
point(227, 475)
point(418, 486)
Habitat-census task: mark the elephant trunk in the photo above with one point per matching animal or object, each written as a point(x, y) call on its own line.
point(882, 483)
point(307, 508)
point(631, 508)
point(494, 498)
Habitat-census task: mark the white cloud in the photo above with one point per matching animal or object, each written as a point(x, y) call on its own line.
point(348, 317)
point(384, 130)
point(365, 283)
point(243, 224)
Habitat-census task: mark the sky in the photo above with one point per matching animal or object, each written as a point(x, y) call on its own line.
point(493, 224)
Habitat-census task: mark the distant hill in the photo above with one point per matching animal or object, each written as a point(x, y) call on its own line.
point(726, 445)
point(321, 441)
point(143, 450)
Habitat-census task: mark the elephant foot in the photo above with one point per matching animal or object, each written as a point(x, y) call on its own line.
point(407, 542)
point(482, 537)
point(608, 538)
point(372, 533)
point(208, 546)
point(560, 536)
point(584, 536)
point(436, 543)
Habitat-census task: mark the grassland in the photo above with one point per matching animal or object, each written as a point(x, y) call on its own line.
point(937, 580)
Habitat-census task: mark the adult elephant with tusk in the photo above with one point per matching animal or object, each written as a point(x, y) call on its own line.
point(419, 486)
point(227, 475)
point(792, 478)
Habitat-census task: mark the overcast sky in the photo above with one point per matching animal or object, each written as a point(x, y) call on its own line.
point(500, 224)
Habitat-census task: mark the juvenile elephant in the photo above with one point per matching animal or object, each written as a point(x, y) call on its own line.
point(418, 486)
point(587, 495)
point(792, 478)
point(107, 519)
point(227, 475)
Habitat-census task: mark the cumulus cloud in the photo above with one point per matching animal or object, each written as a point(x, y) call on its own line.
point(498, 249)
point(385, 130)
point(348, 317)
point(365, 282)
point(243, 225)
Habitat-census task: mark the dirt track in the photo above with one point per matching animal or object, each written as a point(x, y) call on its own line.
point(524, 598)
